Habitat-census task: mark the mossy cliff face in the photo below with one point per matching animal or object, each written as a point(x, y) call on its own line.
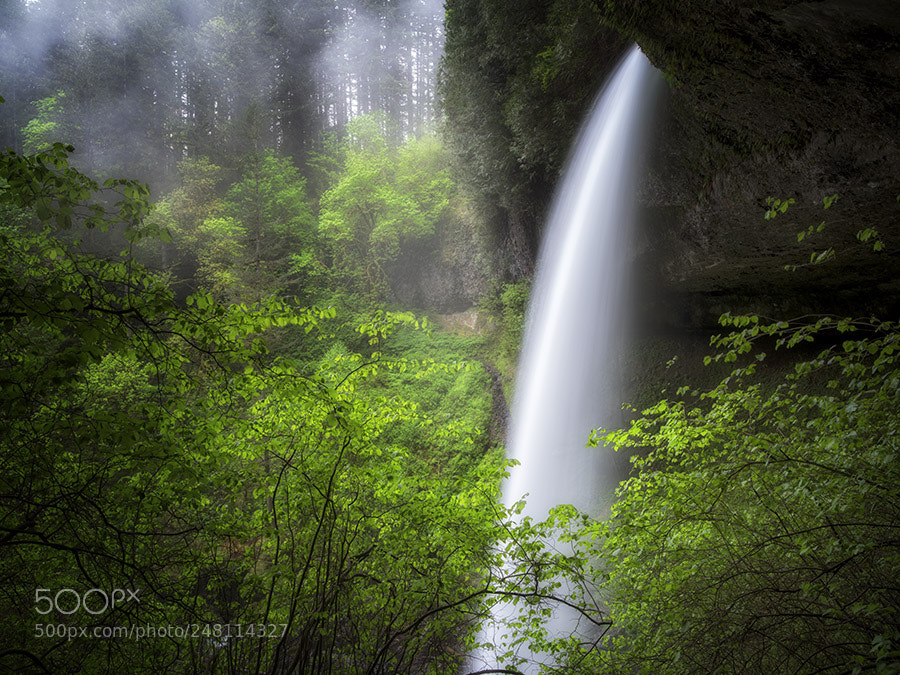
point(515, 82)
point(784, 100)
point(790, 100)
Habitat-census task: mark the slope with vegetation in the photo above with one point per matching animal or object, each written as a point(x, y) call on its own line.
point(273, 486)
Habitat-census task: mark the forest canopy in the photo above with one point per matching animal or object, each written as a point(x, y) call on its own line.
point(136, 86)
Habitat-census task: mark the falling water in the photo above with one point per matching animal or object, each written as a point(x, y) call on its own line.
point(569, 372)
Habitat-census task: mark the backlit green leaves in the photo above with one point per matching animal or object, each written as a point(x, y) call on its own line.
point(762, 514)
point(871, 234)
point(386, 197)
point(59, 193)
point(777, 206)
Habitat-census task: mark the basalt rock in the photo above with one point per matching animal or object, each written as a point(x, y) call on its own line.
point(788, 100)
point(448, 272)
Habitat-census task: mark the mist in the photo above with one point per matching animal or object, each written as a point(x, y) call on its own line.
point(138, 86)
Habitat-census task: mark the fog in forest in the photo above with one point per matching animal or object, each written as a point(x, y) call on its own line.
point(138, 86)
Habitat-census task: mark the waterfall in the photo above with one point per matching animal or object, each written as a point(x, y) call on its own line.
point(569, 376)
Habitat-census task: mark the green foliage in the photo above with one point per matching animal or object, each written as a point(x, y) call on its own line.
point(759, 533)
point(198, 197)
point(514, 303)
point(777, 206)
point(218, 246)
point(159, 447)
point(508, 307)
point(45, 129)
point(865, 235)
point(254, 239)
point(441, 378)
point(871, 234)
point(59, 194)
point(270, 203)
point(386, 199)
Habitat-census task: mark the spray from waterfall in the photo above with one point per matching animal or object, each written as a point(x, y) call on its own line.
point(569, 377)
